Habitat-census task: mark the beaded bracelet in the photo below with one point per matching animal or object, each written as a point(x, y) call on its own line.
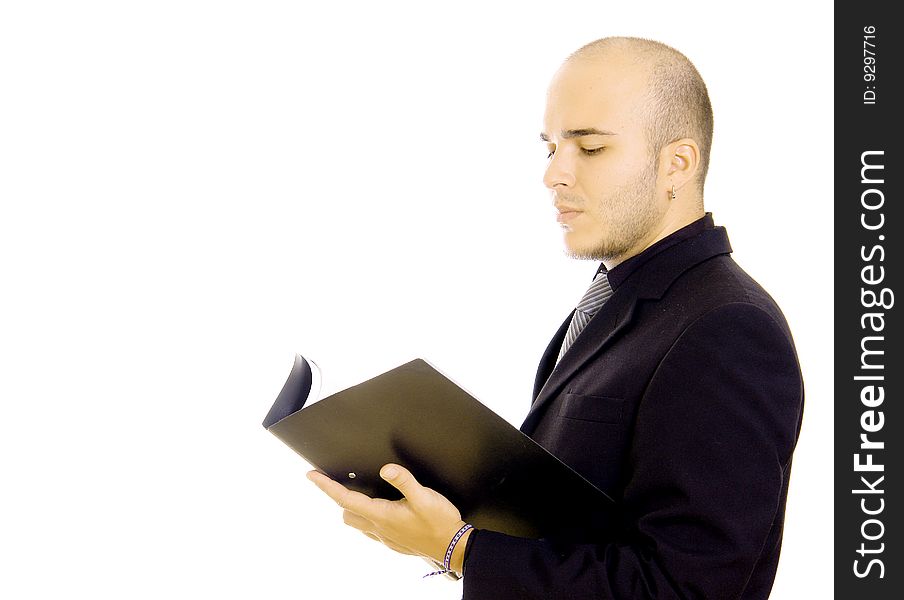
point(447, 559)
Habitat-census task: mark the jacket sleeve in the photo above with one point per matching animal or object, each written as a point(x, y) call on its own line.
point(705, 478)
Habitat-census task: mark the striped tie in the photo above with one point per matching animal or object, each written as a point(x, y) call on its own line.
point(595, 297)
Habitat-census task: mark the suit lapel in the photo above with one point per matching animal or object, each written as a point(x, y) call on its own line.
point(614, 316)
point(548, 361)
point(649, 282)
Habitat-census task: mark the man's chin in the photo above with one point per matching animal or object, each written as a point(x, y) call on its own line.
point(585, 253)
point(581, 248)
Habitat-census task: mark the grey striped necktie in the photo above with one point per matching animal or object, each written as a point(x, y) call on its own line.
point(596, 296)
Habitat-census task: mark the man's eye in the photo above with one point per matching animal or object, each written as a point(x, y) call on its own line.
point(592, 151)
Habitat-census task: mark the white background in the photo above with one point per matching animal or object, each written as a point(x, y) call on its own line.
point(193, 191)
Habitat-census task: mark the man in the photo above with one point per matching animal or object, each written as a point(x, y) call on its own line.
point(674, 386)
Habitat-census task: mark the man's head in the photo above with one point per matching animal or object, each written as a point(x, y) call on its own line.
point(626, 119)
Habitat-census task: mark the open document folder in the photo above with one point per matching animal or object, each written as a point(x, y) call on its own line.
point(414, 416)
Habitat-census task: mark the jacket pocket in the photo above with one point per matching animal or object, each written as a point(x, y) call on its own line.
point(600, 409)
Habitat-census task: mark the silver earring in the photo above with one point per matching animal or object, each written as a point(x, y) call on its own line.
point(674, 195)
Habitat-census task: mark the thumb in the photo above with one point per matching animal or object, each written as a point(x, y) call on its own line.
point(401, 479)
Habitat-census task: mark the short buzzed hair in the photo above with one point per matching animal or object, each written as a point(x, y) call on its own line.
point(678, 103)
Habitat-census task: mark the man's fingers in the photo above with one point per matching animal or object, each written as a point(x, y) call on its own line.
point(368, 528)
point(401, 479)
point(392, 546)
point(357, 521)
point(397, 548)
point(341, 495)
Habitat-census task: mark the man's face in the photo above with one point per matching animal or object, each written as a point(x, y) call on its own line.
point(602, 176)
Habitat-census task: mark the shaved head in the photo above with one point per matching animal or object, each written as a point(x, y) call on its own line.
point(677, 101)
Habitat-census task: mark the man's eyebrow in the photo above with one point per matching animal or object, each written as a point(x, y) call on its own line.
point(575, 133)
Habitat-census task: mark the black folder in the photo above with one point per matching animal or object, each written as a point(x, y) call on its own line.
point(415, 416)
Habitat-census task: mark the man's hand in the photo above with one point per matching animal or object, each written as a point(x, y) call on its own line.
point(422, 523)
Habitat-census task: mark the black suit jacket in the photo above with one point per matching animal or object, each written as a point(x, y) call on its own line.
point(682, 400)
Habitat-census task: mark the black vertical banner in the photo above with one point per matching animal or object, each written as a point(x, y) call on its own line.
point(869, 370)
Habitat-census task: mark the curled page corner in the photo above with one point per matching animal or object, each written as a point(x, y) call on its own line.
point(295, 392)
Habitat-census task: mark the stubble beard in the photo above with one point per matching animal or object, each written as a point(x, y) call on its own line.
point(631, 213)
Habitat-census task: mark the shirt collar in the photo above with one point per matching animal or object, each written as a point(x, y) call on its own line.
point(621, 271)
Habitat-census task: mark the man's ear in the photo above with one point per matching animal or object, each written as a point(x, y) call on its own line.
point(682, 158)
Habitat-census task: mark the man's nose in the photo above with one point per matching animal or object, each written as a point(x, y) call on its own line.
point(559, 172)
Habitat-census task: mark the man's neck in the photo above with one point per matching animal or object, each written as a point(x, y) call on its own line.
point(670, 225)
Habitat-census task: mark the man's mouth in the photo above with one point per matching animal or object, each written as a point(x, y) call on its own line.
point(566, 214)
